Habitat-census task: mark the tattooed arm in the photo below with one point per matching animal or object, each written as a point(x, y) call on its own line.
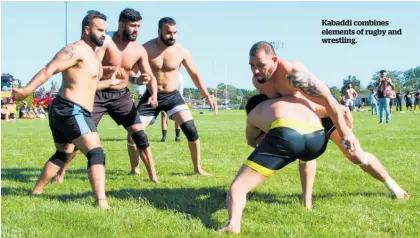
point(66, 58)
point(318, 92)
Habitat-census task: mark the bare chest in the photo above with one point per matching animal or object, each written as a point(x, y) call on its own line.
point(92, 66)
point(166, 61)
point(125, 58)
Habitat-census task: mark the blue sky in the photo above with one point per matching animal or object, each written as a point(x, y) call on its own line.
point(32, 32)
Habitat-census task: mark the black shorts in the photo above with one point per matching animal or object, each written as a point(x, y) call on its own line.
point(118, 104)
point(328, 125)
point(69, 120)
point(171, 103)
point(416, 102)
point(408, 104)
point(283, 145)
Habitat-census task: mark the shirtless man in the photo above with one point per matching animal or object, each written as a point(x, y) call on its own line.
point(274, 77)
point(70, 116)
point(123, 52)
point(165, 57)
point(283, 120)
point(350, 96)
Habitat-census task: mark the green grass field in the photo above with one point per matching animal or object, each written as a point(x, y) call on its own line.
point(347, 202)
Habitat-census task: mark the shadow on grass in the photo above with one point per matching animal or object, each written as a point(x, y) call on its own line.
point(31, 174)
point(199, 203)
point(154, 140)
point(114, 139)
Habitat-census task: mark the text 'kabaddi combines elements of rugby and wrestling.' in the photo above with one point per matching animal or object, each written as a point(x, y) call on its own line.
point(344, 28)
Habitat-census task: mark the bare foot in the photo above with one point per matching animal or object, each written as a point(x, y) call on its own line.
point(307, 204)
point(156, 180)
point(37, 192)
point(230, 229)
point(102, 203)
point(202, 172)
point(58, 179)
point(135, 172)
point(400, 195)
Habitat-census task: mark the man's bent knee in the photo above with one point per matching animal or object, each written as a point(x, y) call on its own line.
point(60, 158)
point(140, 139)
point(361, 160)
point(96, 156)
point(130, 141)
point(190, 130)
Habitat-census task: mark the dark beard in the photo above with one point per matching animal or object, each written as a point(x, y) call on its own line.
point(263, 81)
point(99, 42)
point(128, 37)
point(168, 42)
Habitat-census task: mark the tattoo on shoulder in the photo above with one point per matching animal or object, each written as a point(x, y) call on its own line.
point(66, 53)
point(301, 79)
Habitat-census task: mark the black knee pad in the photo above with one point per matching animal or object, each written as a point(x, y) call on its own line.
point(59, 158)
point(190, 130)
point(96, 156)
point(140, 139)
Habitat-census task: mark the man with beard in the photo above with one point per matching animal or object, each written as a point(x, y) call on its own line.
point(124, 54)
point(274, 77)
point(165, 57)
point(70, 116)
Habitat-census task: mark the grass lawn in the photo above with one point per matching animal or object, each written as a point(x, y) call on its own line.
point(347, 202)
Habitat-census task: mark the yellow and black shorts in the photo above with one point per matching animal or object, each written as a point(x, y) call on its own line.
point(285, 142)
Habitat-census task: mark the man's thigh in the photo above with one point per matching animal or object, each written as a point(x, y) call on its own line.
point(124, 112)
point(182, 116)
point(87, 142)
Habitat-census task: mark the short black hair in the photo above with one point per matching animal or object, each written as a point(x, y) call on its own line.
point(262, 45)
point(130, 14)
point(382, 71)
point(90, 15)
point(254, 101)
point(166, 20)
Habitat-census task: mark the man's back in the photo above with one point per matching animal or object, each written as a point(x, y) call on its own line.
point(287, 108)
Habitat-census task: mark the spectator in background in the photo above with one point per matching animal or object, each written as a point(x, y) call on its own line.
point(417, 100)
point(24, 111)
point(408, 101)
point(383, 96)
point(373, 102)
point(39, 111)
point(392, 97)
point(5, 114)
point(398, 99)
point(350, 96)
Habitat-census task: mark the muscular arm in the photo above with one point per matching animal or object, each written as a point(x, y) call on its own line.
point(144, 67)
point(195, 76)
point(318, 92)
point(64, 59)
point(252, 134)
